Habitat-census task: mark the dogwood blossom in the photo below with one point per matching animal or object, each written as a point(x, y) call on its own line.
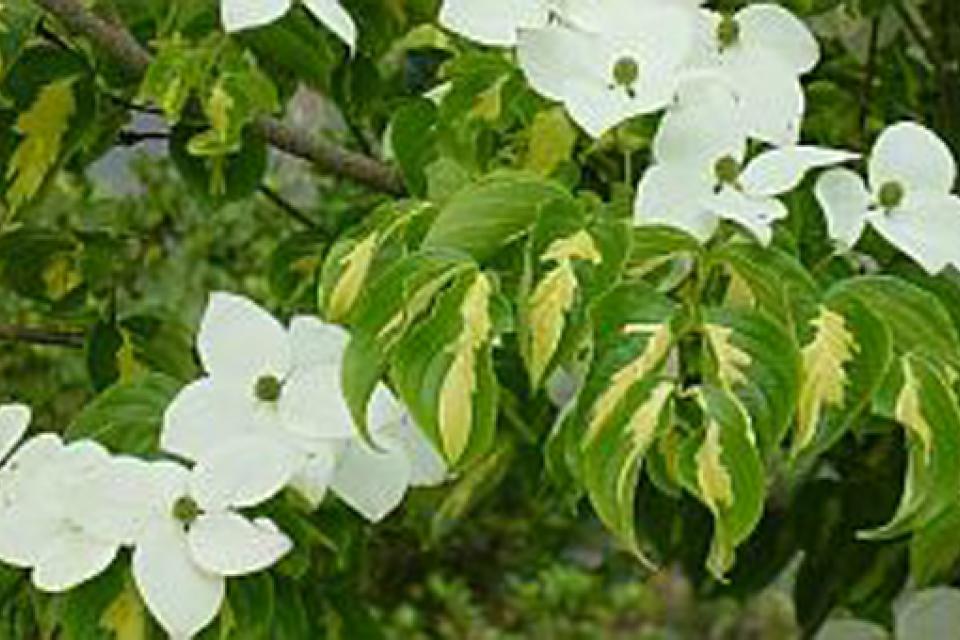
point(281, 396)
point(41, 527)
point(760, 52)
point(613, 61)
point(694, 196)
point(238, 15)
point(907, 199)
point(186, 530)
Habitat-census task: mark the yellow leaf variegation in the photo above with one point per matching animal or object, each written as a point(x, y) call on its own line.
point(553, 298)
point(712, 476)
point(732, 362)
point(657, 347)
point(824, 377)
point(355, 267)
point(909, 412)
point(642, 429)
point(126, 617)
point(455, 411)
point(43, 127)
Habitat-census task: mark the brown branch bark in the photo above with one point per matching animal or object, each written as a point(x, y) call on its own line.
point(330, 158)
point(48, 337)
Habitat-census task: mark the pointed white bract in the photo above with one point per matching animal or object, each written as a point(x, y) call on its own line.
point(907, 198)
point(494, 22)
point(239, 15)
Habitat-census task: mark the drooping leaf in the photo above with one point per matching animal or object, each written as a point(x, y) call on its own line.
point(722, 467)
point(928, 410)
point(757, 360)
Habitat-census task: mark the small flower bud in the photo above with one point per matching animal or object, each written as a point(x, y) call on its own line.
point(727, 170)
point(728, 32)
point(626, 72)
point(891, 195)
point(186, 510)
point(268, 388)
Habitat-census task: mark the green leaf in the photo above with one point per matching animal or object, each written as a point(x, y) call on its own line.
point(928, 410)
point(127, 417)
point(917, 320)
point(613, 456)
point(756, 359)
point(777, 282)
point(443, 371)
point(484, 218)
point(935, 549)
point(40, 264)
point(722, 468)
point(413, 140)
point(220, 179)
point(552, 140)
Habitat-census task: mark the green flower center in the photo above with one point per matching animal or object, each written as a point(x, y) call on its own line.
point(891, 195)
point(268, 388)
point(728, 32)
point(626, 72)
point(727, 170)
point(186, 510)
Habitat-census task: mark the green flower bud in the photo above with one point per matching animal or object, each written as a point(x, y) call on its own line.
point(727, 170)
point(891, 195)
point(626, 72)
point(728, 32)
point(186, 510)
point(268, 388)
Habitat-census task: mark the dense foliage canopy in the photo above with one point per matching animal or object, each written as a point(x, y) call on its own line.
point(479, 318)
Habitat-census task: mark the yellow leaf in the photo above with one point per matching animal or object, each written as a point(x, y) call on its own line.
point(488, 104)
point(218, 109)
point(455, 412)
point(731, 361)
point(60, 277)
point(128, 367)
point(579, 246)
point(657, 347)
point(355, 267)
point(43, 127)
point(125, 617)
point(549, 304)
point(909, 411)
point(714, 481)
point(823, 375)
point(552, 139)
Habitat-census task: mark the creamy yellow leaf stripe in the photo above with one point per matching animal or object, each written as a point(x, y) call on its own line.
point(455, 413)
point(824, 379)
point(909, 411)
point(553, 298)
point(355, 267)
point(732, 362)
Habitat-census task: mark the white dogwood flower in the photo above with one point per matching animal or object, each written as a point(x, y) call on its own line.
point(238, 15)
point(41, 526)
point(186, 530)
point(761, 52)
point(373, 481)
point(907, 199)
point(277, 390)
point(695, 196)
point(618, 59)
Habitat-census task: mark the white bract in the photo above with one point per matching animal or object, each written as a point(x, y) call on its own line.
point(907, 198)
point(611, 61)
point(760, 52)
point(186, 531)
point(238, 15)
point(373, 481)
point(276, 393)
point(494, 22)
point(41, 527)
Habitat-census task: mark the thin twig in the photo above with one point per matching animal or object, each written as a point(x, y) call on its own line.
point(120, 45)
point(286, 207)
point(49, 337)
